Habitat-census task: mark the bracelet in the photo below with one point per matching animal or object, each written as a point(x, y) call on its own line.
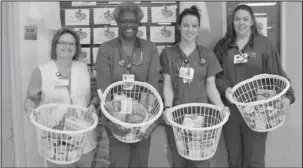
point(166, 107)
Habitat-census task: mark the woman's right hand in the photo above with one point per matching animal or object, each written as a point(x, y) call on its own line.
point(228, 94)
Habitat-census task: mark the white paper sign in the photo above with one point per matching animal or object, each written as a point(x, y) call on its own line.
point(84, 3)
point(142, 32)
point(84, 34)
point(104, 16)
point(85, 55)
point(160, 34)
point(164, 14)
point(77, 17)
point(102, 35)
point(144, 19)
point(95, 52)
point(262, 25)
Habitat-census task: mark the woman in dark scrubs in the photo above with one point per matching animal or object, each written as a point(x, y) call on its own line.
point(127, 54)
point(245, 148)
point(198, 86)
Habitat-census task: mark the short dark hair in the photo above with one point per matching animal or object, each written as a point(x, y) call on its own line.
point(128, 6)
point(193, 10)
point(59, 33)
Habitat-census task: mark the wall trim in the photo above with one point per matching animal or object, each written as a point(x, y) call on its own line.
point(283, 35)
point(15, 81)
point(224, 18)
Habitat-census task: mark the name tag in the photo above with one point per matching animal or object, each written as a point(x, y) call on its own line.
point(186, 73)
point(128, 77)
point(61, 82)
point(238, 59)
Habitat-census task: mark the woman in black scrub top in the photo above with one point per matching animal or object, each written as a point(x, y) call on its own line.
point(245, 148)
point(189, 76)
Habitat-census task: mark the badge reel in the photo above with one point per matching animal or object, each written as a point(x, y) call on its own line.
point(240, 58)
point(187, 73)
point(60, 82)
point(129, 79)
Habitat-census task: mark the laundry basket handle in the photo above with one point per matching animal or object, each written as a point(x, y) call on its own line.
point(264, 75)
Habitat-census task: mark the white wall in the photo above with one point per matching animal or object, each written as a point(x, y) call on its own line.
point(32, 54)
point(284, 147)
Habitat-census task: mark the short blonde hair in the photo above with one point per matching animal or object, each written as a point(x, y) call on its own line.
point(128, 6)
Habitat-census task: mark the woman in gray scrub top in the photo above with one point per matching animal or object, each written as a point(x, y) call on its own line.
point(127, 53)
point(245, 148)
point(198, 87)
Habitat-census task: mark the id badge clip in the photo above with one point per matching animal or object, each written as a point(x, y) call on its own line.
point(129, 80)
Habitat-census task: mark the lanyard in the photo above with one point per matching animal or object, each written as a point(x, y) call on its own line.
point(185, 59)
point(133, 61)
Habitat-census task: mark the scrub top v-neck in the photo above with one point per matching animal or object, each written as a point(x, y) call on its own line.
point(173, 58)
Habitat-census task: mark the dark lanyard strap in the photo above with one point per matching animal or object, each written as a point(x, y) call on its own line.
point(185, 59)
point(129, 64)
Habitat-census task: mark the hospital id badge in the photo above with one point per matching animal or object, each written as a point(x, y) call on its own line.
point(186, 73)
point(129, 80)
point(128, 77)
point(238, 59)
point(61, 82)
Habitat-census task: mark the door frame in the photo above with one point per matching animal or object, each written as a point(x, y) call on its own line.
point(11, 56)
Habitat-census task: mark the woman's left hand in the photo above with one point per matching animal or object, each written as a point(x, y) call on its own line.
point(285, 106)
point(91, 109)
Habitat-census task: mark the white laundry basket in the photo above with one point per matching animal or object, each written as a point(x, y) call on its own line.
point(146, 97)
point(261, 115)
point(197, 143)
point(62, 131)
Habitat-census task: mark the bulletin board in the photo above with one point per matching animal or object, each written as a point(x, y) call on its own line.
point(267, 17)
point(95, 25)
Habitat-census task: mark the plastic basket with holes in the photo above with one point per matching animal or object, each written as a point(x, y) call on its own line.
point(197, 128)
point(134, 106)
point(260, 101)
point(62, 131)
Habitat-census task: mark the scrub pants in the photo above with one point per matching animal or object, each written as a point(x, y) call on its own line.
point(128, 155)
point(85, 161)
point(177, 160)
point(245, 147)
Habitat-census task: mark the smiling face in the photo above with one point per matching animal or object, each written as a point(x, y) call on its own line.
point(128, 24)
point(189, 28)
point(66, 46)
point(242, 22)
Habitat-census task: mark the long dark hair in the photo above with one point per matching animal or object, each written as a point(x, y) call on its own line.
point(230, 35)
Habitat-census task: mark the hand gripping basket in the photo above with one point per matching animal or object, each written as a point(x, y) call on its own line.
point(146, 96)
point(197, 142)
point(261, 114)
point(62, 131)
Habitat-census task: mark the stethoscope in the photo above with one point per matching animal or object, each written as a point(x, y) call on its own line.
point(186, 60)
point(134, 60)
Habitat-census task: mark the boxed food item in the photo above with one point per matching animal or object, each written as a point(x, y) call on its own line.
point(193, 121)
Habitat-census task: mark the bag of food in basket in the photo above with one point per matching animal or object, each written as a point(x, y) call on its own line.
point(138, 115)
point(127, 110)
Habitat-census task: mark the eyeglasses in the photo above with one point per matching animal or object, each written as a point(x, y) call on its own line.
point(65, 43)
